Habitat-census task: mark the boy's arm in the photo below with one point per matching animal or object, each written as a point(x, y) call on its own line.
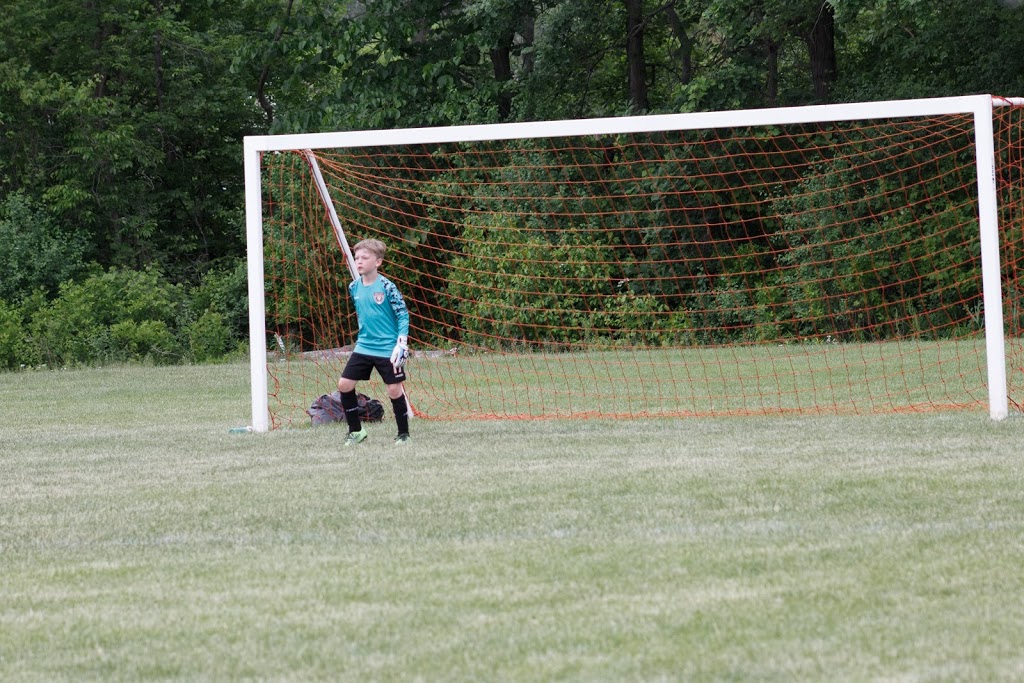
point(401, 351)
point(398, 306)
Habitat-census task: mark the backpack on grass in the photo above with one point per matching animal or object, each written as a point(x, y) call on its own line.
point(328, 408)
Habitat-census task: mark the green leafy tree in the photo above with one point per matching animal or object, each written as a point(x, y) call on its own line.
point(377, 64)
point(122, 119)
point(903, 48)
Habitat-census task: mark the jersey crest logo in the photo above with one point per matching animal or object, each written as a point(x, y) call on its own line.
point(378, 297)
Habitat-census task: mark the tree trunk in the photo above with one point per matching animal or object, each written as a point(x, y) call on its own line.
point(528, 31)
point(685, 53)
point(635, 54)
point(158, 58)
point(261, 86)
point(99, 38)
point(821, 48)
point(772, 49)
point(501, 59)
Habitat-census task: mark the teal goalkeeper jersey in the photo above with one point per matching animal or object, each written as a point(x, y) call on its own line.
point(382, 315)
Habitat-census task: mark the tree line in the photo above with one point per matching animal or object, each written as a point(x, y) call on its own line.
point(121, 121)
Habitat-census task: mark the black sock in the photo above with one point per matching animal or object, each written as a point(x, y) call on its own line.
point(401, 409)
point(351, 405)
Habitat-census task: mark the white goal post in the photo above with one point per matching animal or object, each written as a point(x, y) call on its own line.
point(980, 106)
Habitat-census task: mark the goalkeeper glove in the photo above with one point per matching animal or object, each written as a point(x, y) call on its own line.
point(400, 354)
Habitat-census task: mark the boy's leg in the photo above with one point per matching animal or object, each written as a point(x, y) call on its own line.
point(396, 392)
point(401, 408)
point(358, 367)
point(350, 403)
point(395, 382)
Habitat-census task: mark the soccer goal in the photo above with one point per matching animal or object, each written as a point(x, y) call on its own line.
point(851, 258)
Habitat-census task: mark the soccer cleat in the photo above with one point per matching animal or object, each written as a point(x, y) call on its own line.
point(355, 437)
point(403, 438)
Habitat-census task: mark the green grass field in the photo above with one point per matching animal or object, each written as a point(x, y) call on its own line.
point(139, 540)
point(879, 377)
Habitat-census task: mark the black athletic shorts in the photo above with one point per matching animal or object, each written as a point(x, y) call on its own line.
point(360, 366)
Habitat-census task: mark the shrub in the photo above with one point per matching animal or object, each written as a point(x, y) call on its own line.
point(34, 252)
point(150, 340)
point(853, 267)
point(15, 348)
point(518, 287)
point(209, 337)
point(120, 315)
point(224, 290)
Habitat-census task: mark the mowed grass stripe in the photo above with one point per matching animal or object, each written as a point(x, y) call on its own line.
point(141, 541)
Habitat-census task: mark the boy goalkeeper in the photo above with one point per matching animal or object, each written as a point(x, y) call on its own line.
point(383, 341)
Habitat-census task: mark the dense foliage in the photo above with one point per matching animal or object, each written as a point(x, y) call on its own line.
point(121, 121)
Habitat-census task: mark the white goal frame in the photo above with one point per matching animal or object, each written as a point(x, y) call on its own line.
point(980, 106)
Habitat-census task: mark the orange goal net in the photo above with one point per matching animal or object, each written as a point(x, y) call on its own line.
point(827, 260)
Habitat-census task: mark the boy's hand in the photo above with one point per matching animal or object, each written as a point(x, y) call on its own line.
point(400, 354)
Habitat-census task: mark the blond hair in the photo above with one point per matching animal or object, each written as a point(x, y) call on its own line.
point(375, 247)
